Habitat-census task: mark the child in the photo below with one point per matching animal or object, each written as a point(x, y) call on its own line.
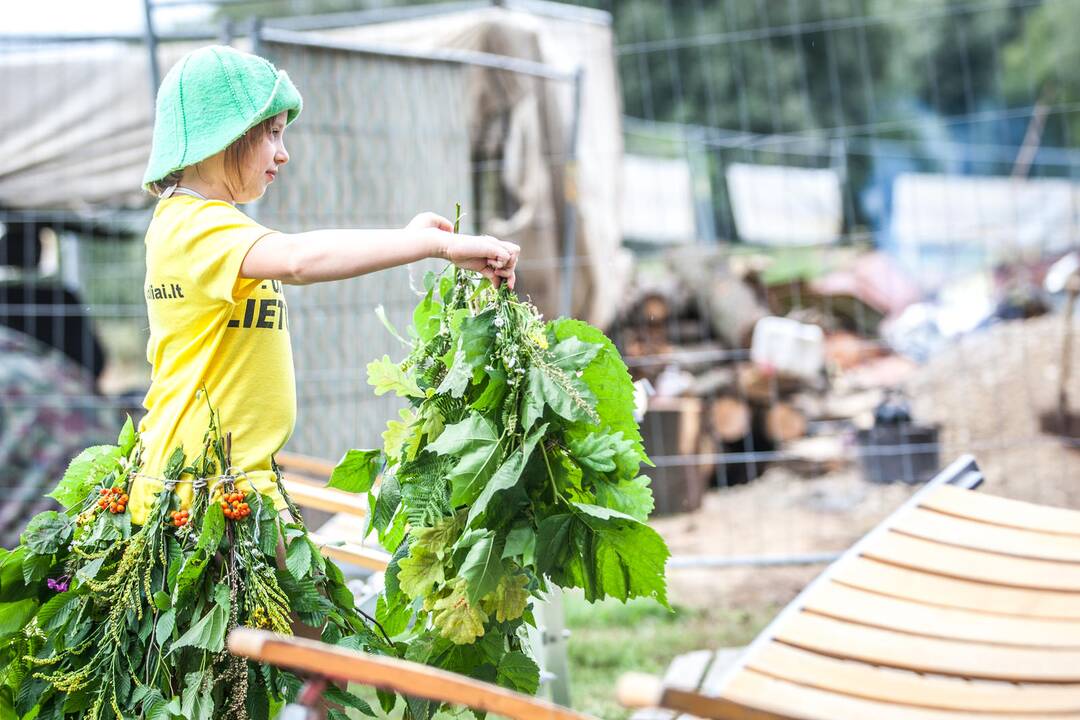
point(214, 277)
point(141, 580)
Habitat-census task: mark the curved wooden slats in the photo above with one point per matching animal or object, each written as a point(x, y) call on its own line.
point(798, 702)
point(859, 606)
point(907, 688)
point(965, 564)
point(931, 655)
point(943, 591)
point(978, 535)
point(1003, 511)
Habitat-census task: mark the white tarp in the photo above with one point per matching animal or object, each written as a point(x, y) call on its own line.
point(657, 200)
point(999, 215)
point(779, 205)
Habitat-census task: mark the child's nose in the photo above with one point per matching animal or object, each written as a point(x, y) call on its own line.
point(282, 156)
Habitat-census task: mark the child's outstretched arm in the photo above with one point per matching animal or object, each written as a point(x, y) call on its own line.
point(322, 255)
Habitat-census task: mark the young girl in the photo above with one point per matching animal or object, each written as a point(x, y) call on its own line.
point(214, 277)
point(124, 603)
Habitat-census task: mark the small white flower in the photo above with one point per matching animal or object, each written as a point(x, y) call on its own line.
point(498, 321)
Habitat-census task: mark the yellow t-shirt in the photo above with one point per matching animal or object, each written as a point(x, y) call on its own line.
point(210, 327)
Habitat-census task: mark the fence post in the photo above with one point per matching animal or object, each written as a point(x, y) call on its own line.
point(151, 49)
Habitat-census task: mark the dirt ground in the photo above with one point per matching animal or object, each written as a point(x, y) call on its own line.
point(986, 392)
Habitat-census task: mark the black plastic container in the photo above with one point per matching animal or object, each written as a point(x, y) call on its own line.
point(904, 452)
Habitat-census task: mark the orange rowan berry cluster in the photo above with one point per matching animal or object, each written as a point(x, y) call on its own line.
point(112, 499)
point(234, 507)
point(180, 517)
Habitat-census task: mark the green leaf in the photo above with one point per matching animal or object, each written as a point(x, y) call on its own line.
point(426, 318)
point(609, 380)
point(457, 619)
point(476, 447)
point(36, 567)
point(386, 504)
point(298, 558)
point(166, 622)
point(594, 451)
point(47, 533)
point(126, 440)
point(213, 529)
point(84, 472)
point(508, 474)
point(572, 354)
point(632, 497)
point(629, 555)
point(483, 568)
point(387, 376)
point(517, 671)
point(568, 396)
point(187, 580)
point(393, 618)
point(57, 611)
point(356, 472)
point(520, 543)
point(15, 615)
point(474, 347)
point(209, 632)
point(380, 312)
point(421, 571)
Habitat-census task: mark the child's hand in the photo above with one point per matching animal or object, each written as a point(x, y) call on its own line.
point(494, 259)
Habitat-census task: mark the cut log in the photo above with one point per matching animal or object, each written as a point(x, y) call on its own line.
point(713, 381)
point(729, 418)
point(730, 305)
point(760, 386)
point(784, 423)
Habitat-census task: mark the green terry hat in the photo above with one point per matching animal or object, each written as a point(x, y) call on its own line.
point(210, 98)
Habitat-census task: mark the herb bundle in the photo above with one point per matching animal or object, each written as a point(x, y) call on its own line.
point(102, 620)
point(513, 468)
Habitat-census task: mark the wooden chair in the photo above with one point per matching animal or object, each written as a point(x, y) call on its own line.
point(959, 606)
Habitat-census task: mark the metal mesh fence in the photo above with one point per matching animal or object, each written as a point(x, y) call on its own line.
point(903, 110)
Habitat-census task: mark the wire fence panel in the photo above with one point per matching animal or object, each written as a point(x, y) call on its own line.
point(378, 143)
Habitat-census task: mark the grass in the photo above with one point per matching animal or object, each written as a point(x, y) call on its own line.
point(610, 638)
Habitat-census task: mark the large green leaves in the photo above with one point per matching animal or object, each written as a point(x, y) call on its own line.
point(474, 346)
point(356, 472)
point(84, 472)
point(508, 474)
point(477, 448)
point(604, 552)
point(47, 533)
point(387, 376)
point(609, 380)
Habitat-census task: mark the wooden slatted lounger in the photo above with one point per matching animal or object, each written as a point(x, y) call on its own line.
point(959, 606)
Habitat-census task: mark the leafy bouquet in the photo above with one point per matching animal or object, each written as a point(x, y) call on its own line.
point(101, 619)
point(513, 468)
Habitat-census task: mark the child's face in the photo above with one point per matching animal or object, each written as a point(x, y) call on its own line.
point(266, 157)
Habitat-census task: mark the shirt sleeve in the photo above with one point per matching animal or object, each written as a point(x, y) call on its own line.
point(220, 238)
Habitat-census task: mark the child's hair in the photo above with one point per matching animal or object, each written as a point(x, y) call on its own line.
point(236, 155)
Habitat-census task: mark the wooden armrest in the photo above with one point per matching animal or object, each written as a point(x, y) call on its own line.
point(352, 553)
point(323, 498)
point(400, 676)
point(304, 464)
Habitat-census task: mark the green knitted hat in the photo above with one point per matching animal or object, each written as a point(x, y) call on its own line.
point(210, 98)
